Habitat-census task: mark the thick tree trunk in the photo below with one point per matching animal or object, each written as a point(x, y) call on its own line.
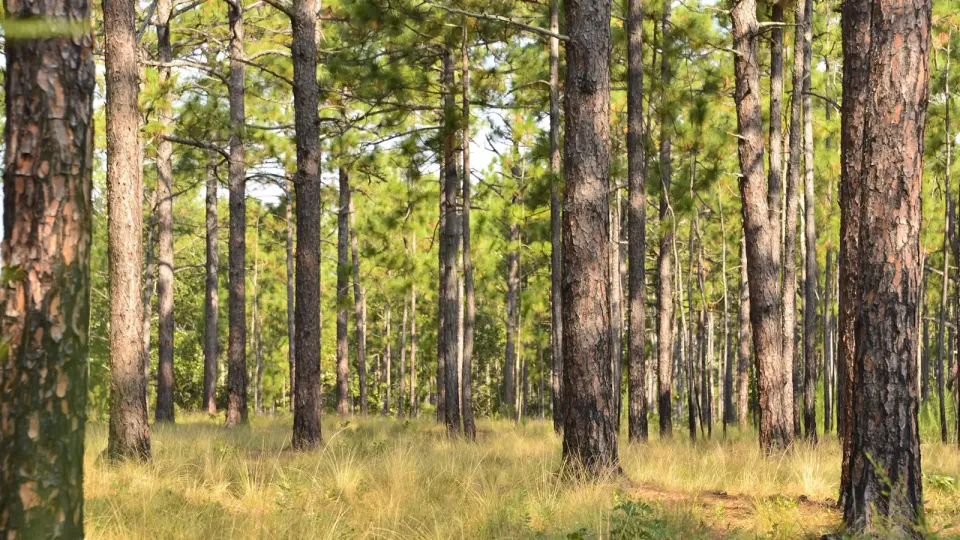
point(307, 405)
point(856, 16)
point(810, 234)
point(291, 300)
point(129, 432)
point(636, 179)
point(556, 241)
point(236, 178)
point(665, 260)
point(165, 383)
point(450, 234)
point(590, 433)
point(766, 302)
point(775, 175)
point(886, 484)
point(211, 305)
point(46, 237)
point(343, 288)
point(359, 296)
point(744, 339)
point(469, 296)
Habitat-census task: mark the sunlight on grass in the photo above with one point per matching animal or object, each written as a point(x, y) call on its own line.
point(384, 478)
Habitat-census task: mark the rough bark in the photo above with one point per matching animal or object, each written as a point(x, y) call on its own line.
point(307, 403)
point(855, 22)
point(590, 433)
point(885, 486)
point(343, 288)
point(763, 265)
point(469, 296)
point(44, 300)
point(165, 325)
point(211, 304)
point(236, 257)
point(636, 180)
point(743, 342)
point(810, 234)
point(556, 240)
point(775, 175)
point(449, 303)
point(129, 435)
point(665, 260)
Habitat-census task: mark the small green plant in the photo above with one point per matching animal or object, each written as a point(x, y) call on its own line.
point(940, 482)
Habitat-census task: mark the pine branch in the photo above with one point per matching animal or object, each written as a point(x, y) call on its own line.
point(505, 20)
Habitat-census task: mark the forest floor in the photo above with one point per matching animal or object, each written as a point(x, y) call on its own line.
point(386, 478)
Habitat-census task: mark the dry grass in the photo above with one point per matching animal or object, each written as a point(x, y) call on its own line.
point(383, 478)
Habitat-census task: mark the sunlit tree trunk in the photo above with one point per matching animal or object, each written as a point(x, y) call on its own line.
point(469, 296)
point(556, 241)
point(343, 288)
point(211, 304)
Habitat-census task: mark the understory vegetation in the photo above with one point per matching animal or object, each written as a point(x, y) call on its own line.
point(382, 478)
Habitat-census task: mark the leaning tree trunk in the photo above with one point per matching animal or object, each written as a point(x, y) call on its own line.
point(343, 287)
point(762, 231)
point(885, 487)
point(211, 304)
point(236, 178)
point(856, 16)
point(449, 297)
point(129, 433)
point(636, 179)
point(556, 241)
point(810, 234)
point(590, 433)
point(307, 403)
point(164, 410)
point(45, 303)
point(665, 260)
point(469, 296)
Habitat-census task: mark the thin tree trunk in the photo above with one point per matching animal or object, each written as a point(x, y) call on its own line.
point(413, 344)
point(359, 296)
point(237, 309)
point(211, 305)
point(387, 359)
point(129, 435)
point(401, 379)
point(556, 242)
point(743, 342)
point(449, 304)
point(886, 484)
point(828, 359)
point(512, 301)
point(149, 289)
point(636, 179)
point(441, 404)
point(729, 414)
point(590, 434)
point(165, 326)
point(665, 266)
point(255, 320)
point(810, 233)
point(940, 346)
point(307, 405)
point(291, 299)
point(343, 287)
point(616, 302)
point(761, 232)
point(46, 236)
point(469, 296)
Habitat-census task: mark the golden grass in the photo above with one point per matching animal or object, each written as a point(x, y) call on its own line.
point(384, 478)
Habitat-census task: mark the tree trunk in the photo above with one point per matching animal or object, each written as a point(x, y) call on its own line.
point(413, 344)
point(810, 233)
point(343, 287)
point(211, 304)
point(401, 379)
point(441, 388)
point(165, 326)
point(856, 16)
point(255, 321)
point(291, 299)
point(775, 175)
point(359, 296)
point(512, 301)
point(886, 487)
point(616, 303)
point(556, 241)
point(149, 288)
point(307, 405)
point(387, 360)
point(729, 414)
point(469, 296)
point(761, 232)
point(129, 432)
point(940, 342)
point(828, 360)
point(744, 339)
point(590, 433)
point(636, 179)
point(449, 303)
point(237, 302)
point(665, 266)
point(45, 308)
